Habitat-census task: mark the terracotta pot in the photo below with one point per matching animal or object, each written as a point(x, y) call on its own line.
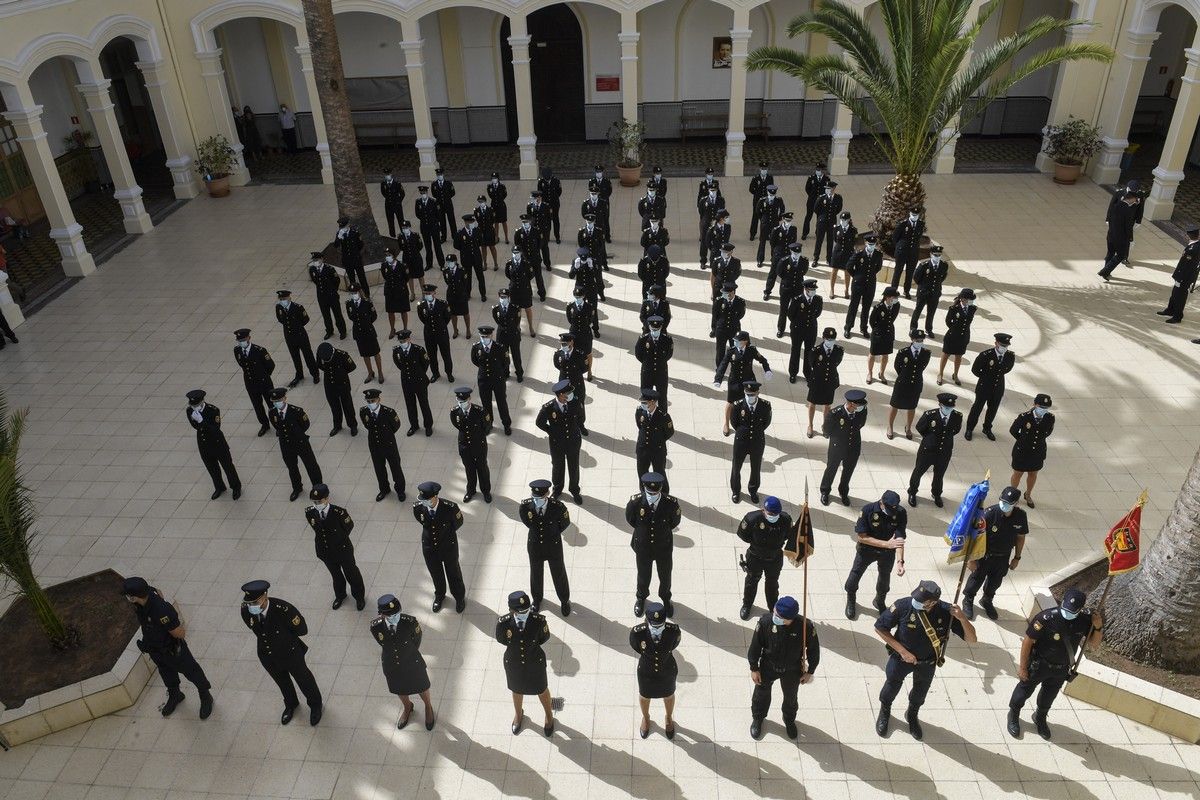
point(218, 187)
point(1067, 174)
point(630, 176)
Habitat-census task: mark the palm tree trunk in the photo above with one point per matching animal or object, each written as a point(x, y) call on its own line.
point(1152, 615)
point(902, 193)
point(348, 183)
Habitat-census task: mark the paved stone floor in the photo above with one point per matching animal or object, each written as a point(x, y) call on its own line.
point(105, 366)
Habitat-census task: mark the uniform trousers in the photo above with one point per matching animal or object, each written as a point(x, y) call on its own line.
point(292, 456)
point(565, 457)
point(845, 458)
point(178, 660)
point(927, 303)
point(803, 343)
point(513, 342)
point(939, 461)
point(897, 670)
point(432, 236)
point(499, 390)
point(656, 379)
point(789, 681)
point(653, 460)
point(824, 237)
point(756, 568)
point(785, 300)
point(906, 262)
point(284, 670)
point(1179, 296)
point(435, 341)
point(414, 396)
point(356, 275)
point(992, 401)
point(663, 562)
point(754, 450)
point(394, 213)
point(444, 569)
point(865, 556)
point(383, 457)
point(475, 462)
point(331, 312)
point(1050, 677)
point(988, 575)
point(217, 460)
point(300, 346)
point(341, 404)
point(1118, 251)
point(861, 298)
point(343, 570)
point(260, 396)
point(558, 574)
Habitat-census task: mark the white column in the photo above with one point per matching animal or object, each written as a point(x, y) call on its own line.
point(1169, 172)
point(523, 88)
point(126, 189)
point(735, 134)
point(1065, 86)
point(218, 100)
point(839, 152)
point(1120, 99)
point(26, 119)
point(175, 137)
point(628, 37)
point(318, 117)
point(414, 67)
point(943, 164)
point(8, 307)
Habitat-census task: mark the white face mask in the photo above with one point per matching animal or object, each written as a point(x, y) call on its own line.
point(525, 225)
point(504, 301)
point(934, 259)
point(539, 503)
point(751, 399)
point(286, 304)
point(393, 619)
point(463, 405)
point(246, 346)
point(889, 302)
point(373, 406)
point(593, 198)
point(279, 404)
point(828, 344)
point(579, 300)
point(740, 345)
point(389, 258)
point(565, 349)
point(916, 346)
point(404, 347)
point(322, 507)
point(946, 410)
point(658, 629)
point(599, 175)
point(777, 620)
point(772, 518)
point(570, 396)
point(655, 333)
point(727, 295)
point(650, 194)
point(428, 298)
point(495, 181)
point(644, 406)
point(808, 294)
point(427, 502)
point(651, 497)
point(255, 609)
point(1039, 412)
point(483, 339)
point(1006, 507)
point(1001, 349)
point(197, 407)
point(870, 248)
point(762, 173)
point(913, 217)
point(712, 194)
point(516, 258)
point(1068, 615)
point(521, 616)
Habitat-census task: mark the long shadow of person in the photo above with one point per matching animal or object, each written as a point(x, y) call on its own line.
point(593, 760)
point(493, 765)
point(732, 637)
point(601, 629)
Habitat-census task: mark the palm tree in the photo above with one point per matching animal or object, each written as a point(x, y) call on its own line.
point(927, 84)
point(348, 184)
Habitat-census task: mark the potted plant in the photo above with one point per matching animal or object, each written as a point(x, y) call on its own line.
point(1070, 145)
point(628, 140)
point(215, 159)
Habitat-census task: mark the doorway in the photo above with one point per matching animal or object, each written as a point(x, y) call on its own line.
point(555, 73)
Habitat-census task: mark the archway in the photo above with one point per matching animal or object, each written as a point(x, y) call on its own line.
point(556, 74)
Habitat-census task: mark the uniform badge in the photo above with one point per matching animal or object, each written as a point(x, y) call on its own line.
point(1028, 425)
point(642, 512)
point(775, 628)
point(991, 362)
point(647, 345)
point(1037, 626)
point(508, 633)
point(296, 620)
point(842, 421)
point(459, 515)
point(417, 628)
point(164, 620)
point(529, 514)
point(874, 518)
point(312, 522)
point(743, 524)
point(1057, 637)
point(380, 635)
point(553, 415)
point(820, 358)
point(933, 424)
point(643, 645)
point(761, 525)
point(995, 528)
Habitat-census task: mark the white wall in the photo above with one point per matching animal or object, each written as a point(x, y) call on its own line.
point(656, 50)
point(1041, 83)
point(778, 13)
point(52, 92)
point(299, 87)
point(370, 45)
point(1177, 31)
point(479, 32)
point(246, 51)
point(600, 27)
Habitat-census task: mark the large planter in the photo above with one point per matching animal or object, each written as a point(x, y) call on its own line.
point(630, 176)
point(218, 187)
point(1067, 174)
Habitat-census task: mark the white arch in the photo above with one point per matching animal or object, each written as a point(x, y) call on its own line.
point(1146, 14)
point(83, 50)
point(204, 23)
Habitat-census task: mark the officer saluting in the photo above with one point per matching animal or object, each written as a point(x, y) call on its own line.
point(1006, 527)
point(880, 532)
point(751, 417)
point(546, 518)
point(654, 350)
point(291, 428)
point(278, 626)
point(293, 318)
point(440, 521)
point(656, 304)
point(654, 641)
point(766, 532)
point(922, 623)
point(562, 421)
point(784, 648)
point(214, 450)
point(654, 429)
point(331, 526)
point(163, 640)
point(1047, 653)
point(990, 367)
point(938, 427)
point(523, 631)
point(473, 424)
point(337, 366)
point(326, 279)
point(413, 362)
point(653, 515)
point(381, 423)
point(257, 367)
point(399, 639)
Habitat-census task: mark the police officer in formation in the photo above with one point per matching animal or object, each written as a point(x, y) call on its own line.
point(337, 366)
point(655, 641)
point(845, 235)
point(959, 317)
point(331, 526)
point(654, 428)
point(915, 630)
point(592, 236)
point(880, 532)
point(937, 428)
point(766, 532)
point(656, 304)
point(538, 215)
point(758, 191)
point(652, 206)
point(789, 269)
point(929, 277)
point(906, 241)
point(473, 424)
point(523, 631)
point(396, 298)
point(910, 365)
point(1005, 527)
point(497, 192)
point(827, 208)
point(362, 314)
point(784, 648)
point(291, 428)
point(601, 186)
point(655, 233)
point(804, 314)
point(491, 361)
point(443, 191)
point(821, 373)
point(546, 518)
point(257, 366)
point(571, 363)
point(1030, 429)
point(507, 316)
point(739, 362)
point(587, 277)
point(1048, 653)
point(163, 639)
point(326, 280)
point(771, 209)
point(409, 245)
point(429, 217)
point(863, 267)
point(381, 423)
point(654, 268)
point(709, 203)
point(399, 639)
point(725, 269)
point(393, 201)
point(653, 351)
point(989, 368)
point(843, 427)
point(434, 314)
point(440, 520)
point(581, 316)
point(653, 515)
point(413, 363)
point(883, 333)
point(718, 235)
point(727, 313)
point(214, 449)
point(468, 240)
point(814, 187)
point(1183, 278)
point(277, 625)
point(751, 417)
point(348, 242)
point(562, 421)
point(551, 188)
point(782, 236)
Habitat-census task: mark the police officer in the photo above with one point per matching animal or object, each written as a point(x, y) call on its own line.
point(507, 316)
point(214, 450)
point(331, 526)
point(561, 420)
point(766, 531)
point(491, 361)
point(337, 366)
point(783, 235)
point(845, 235)
point(497, 192)
point(654, 641)
point(434, 314)
point(409, 246)
point(1047, 655)
point(922, 624)
point(581, 317)
point(468, 240)
point(863, 268)
point(827, 209)
point(653, 515)
point(278, 626)
point(707, 182)
point(393, 201)
point(399, 638)
point(906, 241)
point(443, 191)
point(751, 417)
point(739, 361)
point(910, 365)
point(571, 364)
point(804, 314)
point(655, 428)
point(929, 277)
point(348, 242)
point(727, 313)
point(538, 214)
point(473, 424)
point(709, 203)
point(257, 367)
point(814, 187)
point(959, 316)
point(771, 209)
point(653, 351)
point(718, 235)
point(291, 428)
point(658, 182)
point(843, 427)
point(652, 206)
point(551, 189)
point(725, 269)
point(1183, 278)
point(587, 277)
point(546, 518)
point(790, 269)
point(654, 268)
point(880, 533)
point(883, 333)
point(1031, 429)
point(656, 304)
point(413, 363)
point(440, 520)
point(523, 631)
point(326, 279)
point(591, 236)
point(655, 233)
point(1123, 215)
point(163, 640)
point(1006, 527)
point(758, 191)
point(429, 216)
point(784, 648)
point(989, 368)
point(937, 427)
point(521, 270)
point(602, 187)
point(381, 423)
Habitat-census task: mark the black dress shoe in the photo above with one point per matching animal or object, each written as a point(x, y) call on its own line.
point(237, 493)
point(845, 499)
point(669, 609)
point(217, 493)
point(914, 725)
point(1163, 313)
point(335, 431)
point(583, 431)
point(286, 716)
point(342, 335)
point(314, 715)
point(400, 496)
point(1174, 320)
point(937, 501)
point(317, 379)
point(989, 609)
point(548, 729)
point(1014, 723)
point(1039, 722)
point(846, 332)
point(263, 430)
point(851, 607)
point(791, 378)
point(988, 433)
point(508, 430)
point(337, 602)
point(382, 495)
point(639, 607)
point(880, 602)
point(468, 497)
point(744, 612)
point(449, 377)
point(754, 498)
point(295, 493)
point(577, 497)
point(789, 725)
point(412, 431)
point(516, 726)
point(206, 705)
point(430, 720)
point(437, 604)
point(295, 382)
point(536, 608)
point(360, 603)
point(566, 608)
point(520, 378)
point(968, 435)
point(912, 499)
point(824, 498)
point(756, 728)
point(328, 334)
point(487, 497)
point(174, 698)
point(883, 720)
point(645, 731)
point(354, 431)
point(736, 497)
point(460, 605)
point(968, 608)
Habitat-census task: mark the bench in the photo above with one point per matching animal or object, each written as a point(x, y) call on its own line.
point(693, 122)
point(399, 132)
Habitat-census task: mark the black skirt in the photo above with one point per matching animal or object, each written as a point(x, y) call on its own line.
point(527, 678)
point(883, 342)
point(367, 341)
point(409, 677)
point(656, 684)
point(395, 298)
point(1026, 458)
point(501, 211)
point(906, 394)
point(520, 294)
point(821, 393)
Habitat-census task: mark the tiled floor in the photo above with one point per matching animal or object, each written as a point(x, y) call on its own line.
point(104, 369)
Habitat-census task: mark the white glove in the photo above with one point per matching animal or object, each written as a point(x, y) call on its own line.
point(768, 375)
point(1176, 284)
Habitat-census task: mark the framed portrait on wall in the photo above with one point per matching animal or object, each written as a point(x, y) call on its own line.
point(722, 52)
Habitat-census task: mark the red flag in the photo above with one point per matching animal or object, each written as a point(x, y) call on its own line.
point(1123, 543)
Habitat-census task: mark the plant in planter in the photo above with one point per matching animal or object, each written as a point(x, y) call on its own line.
point(629, 143)
point(215, 159)
point(79, 139)
point(1070, 145)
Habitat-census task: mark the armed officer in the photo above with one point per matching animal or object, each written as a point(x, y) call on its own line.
point(766, 531)
point(1006, 527)
point(337, 366)
point(440, 520)
point(163, 640)
point(653, 351)
point(291, 428)
point(399, 638)
point(654, 429)
point(473, 424)
point(214, 450)
point(381, 423)
point(937, 427)
point(278, 626)
point(784, 648)
point(413, 363)
point(653, 515)
point(751, 417)
point(257, 367)
point(491, 360)
point(331, 526)
point(879, 533)
point(546, 519)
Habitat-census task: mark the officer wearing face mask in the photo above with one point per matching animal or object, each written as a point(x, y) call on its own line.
point(409, 249)
point(863, 268)
point(655, 641)
point(468, 240)
point(435, 317)
point(822, 375)
point(257, 367)
point(551, 188)
point(491, 360)
point(325, 278)
point(725, 269)
point(571, 365)
point(529, 240)
point(910, 365)
point(1047, 655)
point(393, 201)
point(348, 242)
point(507, 316)
point(814, 187)
point(278, 626)
point(707, 182)
point(784, 648)
point(1030, 429)
point(883, 333)
point(442, 190)
point(652, 206)
point(413, 363)
point(990, 367)
point(937, 427)
point(655, 428)
point(658, 182)
point(591, 236)
point(538, 213)
point(827, 208)
point(655, 233)
point(656, 304)
point(770, 211)
point(587, 278)
point(930, 275)
point(653, 515)
point(653, 269)
point(739, 361)
point(789, 269)
point(709, 203)
point(399, 638)
point(921, 623)
point(783, 235)
point(751, 417)
point(337, 366)
point(843, 427)
point(653, 351)
point(381, 423)
point(561, 420)
point(959, 317)
point(291, 428)
point(429, 215)
point(497, 192)
point(804, 314)
point(758, 190)
point(163, 640)
point(396, 298)
point(717, 236)
point(766, 532)
point(440, 520)
point(473, 425)
point(521, 272)
point(906, 240)
point(844, 235)
point(523, 631)
point(727, 313)
point(601, 186)
point(1006, 527)
point(205, 418)
point(546, 519)
point(879, 533)
point(331, 526)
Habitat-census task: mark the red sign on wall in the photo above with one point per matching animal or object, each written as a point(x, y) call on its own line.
point(608, 83)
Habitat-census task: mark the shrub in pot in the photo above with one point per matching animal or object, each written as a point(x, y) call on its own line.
point(1070, 145)
point(215, 160)
point(628, 140)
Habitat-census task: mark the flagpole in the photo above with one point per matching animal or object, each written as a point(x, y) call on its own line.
point(802, 547)
point(968, 547)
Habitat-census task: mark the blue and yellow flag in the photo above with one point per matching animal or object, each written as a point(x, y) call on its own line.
point(966, 534)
